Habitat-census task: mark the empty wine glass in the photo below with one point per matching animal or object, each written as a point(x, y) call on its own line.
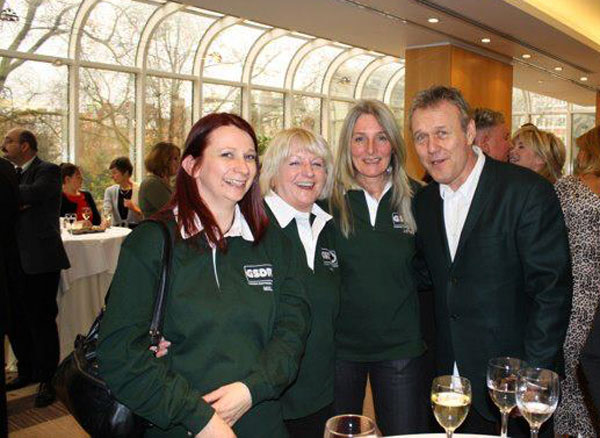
point(502, 385)
point(350, 426)
point(71, 218)
point(450, 400)
point(537, 396)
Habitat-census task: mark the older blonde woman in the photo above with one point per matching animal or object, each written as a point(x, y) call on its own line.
point(540, 151)
point(297, 170)
point(579, 196)
point(155, 191)
point(378, 332)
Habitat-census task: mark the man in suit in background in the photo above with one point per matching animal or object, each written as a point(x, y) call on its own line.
point(492, 134)
point(9, 203)
point(41, 256)
point(492, 240)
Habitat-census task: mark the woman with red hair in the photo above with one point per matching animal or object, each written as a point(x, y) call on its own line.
point(236, 315)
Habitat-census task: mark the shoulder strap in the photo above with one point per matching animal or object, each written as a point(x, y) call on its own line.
point(163, 284)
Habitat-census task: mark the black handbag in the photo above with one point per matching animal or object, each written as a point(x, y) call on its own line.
point(79, 386)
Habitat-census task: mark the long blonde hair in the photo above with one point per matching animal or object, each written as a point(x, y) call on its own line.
point(547, 146)
point(345, 173)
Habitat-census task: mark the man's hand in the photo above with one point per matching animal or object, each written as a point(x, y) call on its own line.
point(230, 401)
point(216, 428)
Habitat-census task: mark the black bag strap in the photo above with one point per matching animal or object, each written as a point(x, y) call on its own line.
point(160, 301)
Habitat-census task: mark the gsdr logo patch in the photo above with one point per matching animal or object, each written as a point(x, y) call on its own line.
point(259, 275)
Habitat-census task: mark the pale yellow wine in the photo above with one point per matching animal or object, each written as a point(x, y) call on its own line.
point(536, 413)
point(450, 408)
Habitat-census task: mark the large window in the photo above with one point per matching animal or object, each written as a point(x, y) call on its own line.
point(567, 121)
point(97, 79)
point(106, 124)
point(34, 96)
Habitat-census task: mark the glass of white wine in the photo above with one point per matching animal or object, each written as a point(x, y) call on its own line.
point(502, 385)
point(107, 213)
point(86, 213)
point(537, 396)
point(350, 426)
point(71, 218)
point(450, 400)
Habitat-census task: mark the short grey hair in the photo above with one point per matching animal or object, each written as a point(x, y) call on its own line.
point(487, 118)
point(435, 95)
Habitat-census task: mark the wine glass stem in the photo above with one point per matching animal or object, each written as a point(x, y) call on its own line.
point(504, 430)
point(450, 433)
point(534, 432)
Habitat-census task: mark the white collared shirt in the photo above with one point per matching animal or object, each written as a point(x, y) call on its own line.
point(456, 207)
point(309, 234)
point(239, 228)
point(457, 203)
point(373, 204)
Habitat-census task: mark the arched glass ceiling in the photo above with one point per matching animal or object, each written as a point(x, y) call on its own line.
point(100, 78)
point(175, 41)
point(345, 77)
point(112, 31)
point(310, 72)
point(272, 62)
point(378, 80)
point(226, 54)
point(46, 33)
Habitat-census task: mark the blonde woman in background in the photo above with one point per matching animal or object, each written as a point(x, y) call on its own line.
point(378, 332)
point(540, 151)
point(579, 196)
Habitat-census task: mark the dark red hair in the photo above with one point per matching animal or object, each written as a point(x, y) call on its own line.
point(187, 198)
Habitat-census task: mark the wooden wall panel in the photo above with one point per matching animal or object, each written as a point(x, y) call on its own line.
point(597, 108)
point(484, 82)
point(424, 67)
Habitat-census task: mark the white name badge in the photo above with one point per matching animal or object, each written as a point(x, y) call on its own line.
point(329, 257)
point(260, 275)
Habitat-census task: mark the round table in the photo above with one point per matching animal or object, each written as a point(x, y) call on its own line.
point(84, 285)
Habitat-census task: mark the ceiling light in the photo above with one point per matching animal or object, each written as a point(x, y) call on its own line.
point(433, 20)
point(583, 78)
point(540, 81)
point(525, 56)
point(557, 68)
point(486, 40)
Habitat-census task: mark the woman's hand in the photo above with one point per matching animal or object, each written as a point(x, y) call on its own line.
point(162, 349)
point(216, 428)
point(132, 206)
point(230, 401)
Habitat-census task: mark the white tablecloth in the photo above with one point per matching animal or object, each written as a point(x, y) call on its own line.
point(84, 285)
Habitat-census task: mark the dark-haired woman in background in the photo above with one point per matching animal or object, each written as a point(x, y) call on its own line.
point(236, 313)
point(74, 200)
point(155, 191)
point(122, 197)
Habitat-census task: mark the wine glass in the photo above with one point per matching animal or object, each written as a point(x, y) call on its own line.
point(502, 385)
point(349, 425)
point(71, 218)
point(537, 396)
point(86, 213)
point(107, 213)
point(450, 400)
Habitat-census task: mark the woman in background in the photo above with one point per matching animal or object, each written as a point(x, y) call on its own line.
point(378, 332)
point(155, 191)
point(122, 198)
point(297, 170)
point(540, 151)
point(75, 200)
point(579, 196)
